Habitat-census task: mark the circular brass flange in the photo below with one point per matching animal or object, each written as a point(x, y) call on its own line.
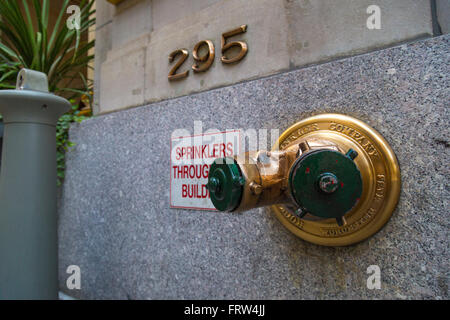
point(379, 171)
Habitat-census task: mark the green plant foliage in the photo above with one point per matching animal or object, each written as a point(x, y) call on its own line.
point(8, 72)
point(61, 53)
point(62, 139)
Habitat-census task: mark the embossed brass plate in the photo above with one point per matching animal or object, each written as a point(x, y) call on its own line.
point(379, 171)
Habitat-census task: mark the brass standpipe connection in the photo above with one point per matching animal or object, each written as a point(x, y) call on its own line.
point(317, 179)
point(333, 181)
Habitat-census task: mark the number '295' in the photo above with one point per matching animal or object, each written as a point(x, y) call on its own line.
point(203, 63)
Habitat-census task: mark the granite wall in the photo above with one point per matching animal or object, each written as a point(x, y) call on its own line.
point(116, 224)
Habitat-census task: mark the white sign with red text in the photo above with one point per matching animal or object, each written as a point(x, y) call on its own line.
point(191, 157)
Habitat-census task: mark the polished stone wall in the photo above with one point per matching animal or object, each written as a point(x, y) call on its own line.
point(116, 224)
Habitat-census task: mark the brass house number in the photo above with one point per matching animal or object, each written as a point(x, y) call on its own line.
point(203, 63)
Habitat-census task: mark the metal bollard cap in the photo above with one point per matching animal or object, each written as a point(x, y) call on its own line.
point(31, 102)
point(32, 80)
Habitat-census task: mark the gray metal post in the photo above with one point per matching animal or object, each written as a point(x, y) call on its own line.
point(28, 222)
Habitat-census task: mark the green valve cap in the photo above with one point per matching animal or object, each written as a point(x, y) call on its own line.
point(225, 184)
point(326, 183)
